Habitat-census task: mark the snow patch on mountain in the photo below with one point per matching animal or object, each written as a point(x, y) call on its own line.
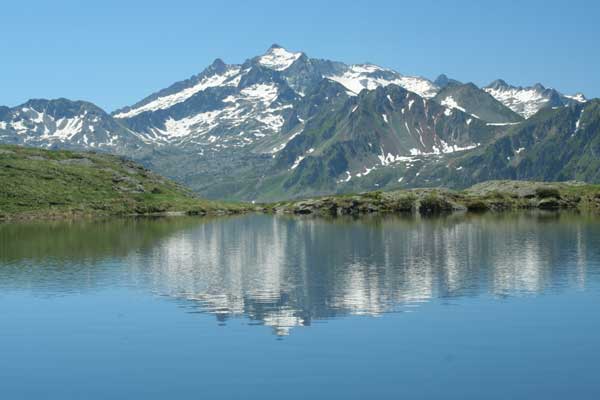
point(524, 101)
point(66, 128)
point(366, 172)
point(200, 124)
point(442, 147)
point(282, 146)
point(366, 76)
point(578, 123)
point(265, 93)
point(230, 78)
point(251, 105)
point(62, 129)
point(451, 103)
point(579, 97)
point(420, 86)
point(297, 162)
point(502, 123)
point(278, 58)
point(270, 121)
point(446, 148)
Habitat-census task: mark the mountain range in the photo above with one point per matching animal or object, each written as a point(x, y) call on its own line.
point(283, 125)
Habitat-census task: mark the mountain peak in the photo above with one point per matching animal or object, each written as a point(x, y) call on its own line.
point(217, 66)
point(61, 105)
point(218, 63)
point(498, 83)
point(442, 81)
point(277, 58)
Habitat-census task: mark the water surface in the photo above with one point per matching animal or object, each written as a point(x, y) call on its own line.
point(465, 307)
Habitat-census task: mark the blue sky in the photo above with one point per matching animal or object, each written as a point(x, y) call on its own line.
point(113, 53)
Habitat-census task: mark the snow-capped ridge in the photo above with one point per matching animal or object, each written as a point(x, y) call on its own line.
point(164, 102)
point(65, 123)
point(358, 77)
point(527, 101)
point(579, 97)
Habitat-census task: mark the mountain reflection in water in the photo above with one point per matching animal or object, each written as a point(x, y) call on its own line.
point(286, 272)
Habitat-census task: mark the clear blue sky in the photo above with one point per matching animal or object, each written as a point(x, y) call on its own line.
point(113, 53)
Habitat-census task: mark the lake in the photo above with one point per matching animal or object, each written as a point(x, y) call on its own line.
point(492, 306)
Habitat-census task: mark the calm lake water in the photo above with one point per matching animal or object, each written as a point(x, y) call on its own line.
point(265, 307)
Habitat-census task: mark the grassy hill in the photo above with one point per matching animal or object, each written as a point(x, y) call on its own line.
point(46, 183)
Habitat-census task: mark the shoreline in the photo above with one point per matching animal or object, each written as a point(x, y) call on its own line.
point(76, 216)
point(492, 196)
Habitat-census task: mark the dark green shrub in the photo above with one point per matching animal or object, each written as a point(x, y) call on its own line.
point(549, 204)
point(476, 205)
point(377, 195)
point(405, 203)
point(547, 192)
point(434, 204)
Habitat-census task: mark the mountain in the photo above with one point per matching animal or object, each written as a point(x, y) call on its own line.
point(526, 101)
point(342, 137)
point(283, 125)
point(477, 102)
point(66, 124)
point(254, 130)
point(554, 145)
point(384, 129)
point(235, 105)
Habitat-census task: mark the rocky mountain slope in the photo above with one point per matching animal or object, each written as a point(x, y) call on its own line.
point(554, 145)
point(381, 129)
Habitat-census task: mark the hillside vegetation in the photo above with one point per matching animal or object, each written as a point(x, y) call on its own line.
point(48, 183)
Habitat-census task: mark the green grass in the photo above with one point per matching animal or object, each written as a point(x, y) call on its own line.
point(38, 183)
